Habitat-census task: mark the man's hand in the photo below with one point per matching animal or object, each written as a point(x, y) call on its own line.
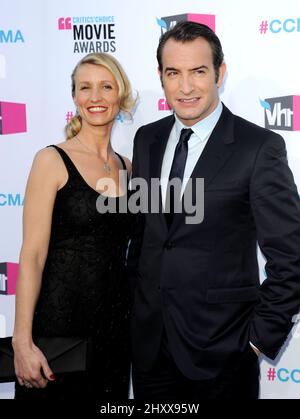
point(257, 351)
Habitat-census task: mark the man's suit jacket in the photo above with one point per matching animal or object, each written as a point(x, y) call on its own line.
point(201, 282)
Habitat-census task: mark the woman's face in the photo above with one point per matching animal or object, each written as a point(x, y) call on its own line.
point(96, 95)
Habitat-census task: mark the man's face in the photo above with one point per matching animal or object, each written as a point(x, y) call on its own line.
point(189, 79)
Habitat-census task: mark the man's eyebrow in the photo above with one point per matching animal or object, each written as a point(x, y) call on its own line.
point(199, 68)
point(170, 69)
point(192, 69)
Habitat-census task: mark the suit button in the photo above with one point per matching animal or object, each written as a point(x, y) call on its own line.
point(169, 245)
point(158, 288)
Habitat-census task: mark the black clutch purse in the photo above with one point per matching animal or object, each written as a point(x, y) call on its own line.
point(64, 355)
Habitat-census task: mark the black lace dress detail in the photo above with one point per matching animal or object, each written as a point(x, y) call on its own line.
point(84, 290)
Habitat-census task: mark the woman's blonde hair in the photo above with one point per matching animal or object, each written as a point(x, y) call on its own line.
point(127, 101)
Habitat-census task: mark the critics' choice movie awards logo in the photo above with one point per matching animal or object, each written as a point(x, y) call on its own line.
point(8, 278)
point(282, 113)
point(12, 118)
point(90, 33)
point(168, 22)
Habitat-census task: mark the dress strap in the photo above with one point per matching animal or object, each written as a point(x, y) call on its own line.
point(122, 161)
point(124, 166)
point(71, 168)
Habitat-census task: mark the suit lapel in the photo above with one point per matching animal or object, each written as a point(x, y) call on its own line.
point(157, 148)
point(217, 150)
point(156, 154)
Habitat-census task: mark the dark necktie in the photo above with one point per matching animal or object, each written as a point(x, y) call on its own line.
point(177, 170)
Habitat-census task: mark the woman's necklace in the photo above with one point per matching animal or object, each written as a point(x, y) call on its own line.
point(106, 166)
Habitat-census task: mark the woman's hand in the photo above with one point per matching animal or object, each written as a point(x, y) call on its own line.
point(30, 362)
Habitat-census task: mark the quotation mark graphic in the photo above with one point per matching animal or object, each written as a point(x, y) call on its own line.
point(64, 23)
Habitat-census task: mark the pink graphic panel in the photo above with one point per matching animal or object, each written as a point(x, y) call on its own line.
point(296, 115)
point(12, 274)
point(208, 20)
point(13, 117)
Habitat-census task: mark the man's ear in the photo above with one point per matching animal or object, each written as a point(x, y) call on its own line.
point(222, 72)
point(160, 76)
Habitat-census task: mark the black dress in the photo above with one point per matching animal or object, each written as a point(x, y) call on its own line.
point(84, 291)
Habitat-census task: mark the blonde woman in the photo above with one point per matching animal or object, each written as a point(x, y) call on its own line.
point(71, 280)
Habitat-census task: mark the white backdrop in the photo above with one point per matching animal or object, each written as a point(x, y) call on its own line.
point(38, 52)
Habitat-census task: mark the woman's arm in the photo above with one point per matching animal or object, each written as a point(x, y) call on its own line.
point(42, 186)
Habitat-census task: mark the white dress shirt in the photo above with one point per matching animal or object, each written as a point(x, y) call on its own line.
point(196, 144)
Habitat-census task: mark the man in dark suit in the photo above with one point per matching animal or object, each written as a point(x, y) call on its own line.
point(200, 316)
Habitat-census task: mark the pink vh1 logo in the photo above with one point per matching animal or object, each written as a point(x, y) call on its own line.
point(8, 277)
point(282, 113)
point(12, 118)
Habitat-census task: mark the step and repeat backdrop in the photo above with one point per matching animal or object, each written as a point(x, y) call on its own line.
point(40, 43)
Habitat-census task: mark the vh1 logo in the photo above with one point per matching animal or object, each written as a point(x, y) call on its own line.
point(282, 113)
point(8, 278)
point(12, 118)
point(168, 22)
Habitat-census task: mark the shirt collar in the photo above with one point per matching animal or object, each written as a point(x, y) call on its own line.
point(204, 127)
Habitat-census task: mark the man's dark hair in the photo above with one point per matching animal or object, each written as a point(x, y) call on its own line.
point(189, 31)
